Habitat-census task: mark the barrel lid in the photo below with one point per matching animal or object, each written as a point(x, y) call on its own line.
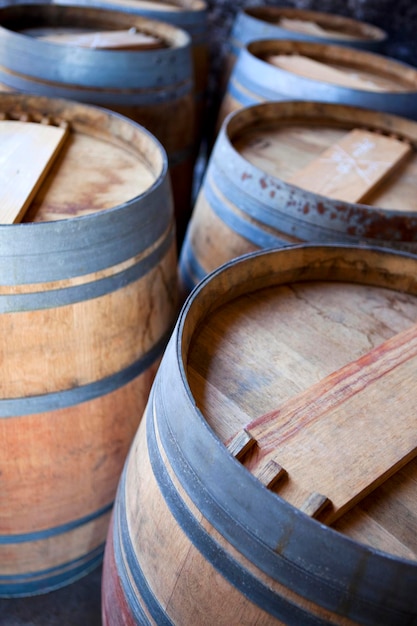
point(265, 146)
point(96, 39)
point(64, 160)
point(316, 24)
point(337, 65)
point(86, 67)
point(32, 18)
point(293, 345)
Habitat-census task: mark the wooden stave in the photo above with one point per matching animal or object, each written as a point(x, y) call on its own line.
point(82, 531)
point(160, 82)
point(248, 221)
point(193, 459)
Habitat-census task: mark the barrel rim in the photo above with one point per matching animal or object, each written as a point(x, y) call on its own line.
point(301, 109)
point(177, 37)
point(91, 67)
point(259, 14)
point(366, 59)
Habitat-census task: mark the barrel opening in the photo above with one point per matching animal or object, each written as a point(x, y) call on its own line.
point(326, 21)
point(316, 114)
point(383, 73)
point(37, 20)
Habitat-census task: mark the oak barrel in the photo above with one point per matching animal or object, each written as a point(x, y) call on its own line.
point(88, 299)
point(200, 536)
point(277, 69)
point(189, 15)
point(268, 22)
point(154, 86)
point(253, 196)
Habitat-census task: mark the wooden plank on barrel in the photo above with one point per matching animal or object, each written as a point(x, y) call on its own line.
point(321, 71)
point(307, 27)
point(27, 151)
point(129, 39)
point(353, 167)
point(345, 435)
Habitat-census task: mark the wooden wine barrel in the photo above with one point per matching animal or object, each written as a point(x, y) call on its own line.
point(294, 171)
point(267, 22)
point(293, 70)
point(189, 15)
point(88, 300)
point(285, 386)
point(146, 74)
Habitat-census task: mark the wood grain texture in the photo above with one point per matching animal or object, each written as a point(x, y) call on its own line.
point(107, 40)
point(95, 338)
point(283, 343)
point(114, 606)
point(285, 150)
point(27, 151)
point(336, 410)
point(313, 28)
point(321, 71)
point(93, 171)
point(353, 167)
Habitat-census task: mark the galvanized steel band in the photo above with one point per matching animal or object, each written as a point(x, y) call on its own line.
point(53, 251)
point(104, 97)
point(43, 581)
point(53, 298)
point(84, 67)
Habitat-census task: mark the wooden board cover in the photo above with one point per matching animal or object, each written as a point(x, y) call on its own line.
point(333, 448)
point(114, 39)
point(311, 28)
point(27, 151)
point(351, 168)
point(321, 71)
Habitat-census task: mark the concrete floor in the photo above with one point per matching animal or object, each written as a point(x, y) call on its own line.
point(78, 604)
